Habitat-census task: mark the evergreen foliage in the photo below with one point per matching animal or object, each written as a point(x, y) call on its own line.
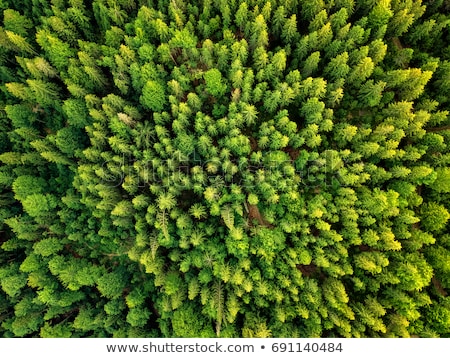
point(224, 169)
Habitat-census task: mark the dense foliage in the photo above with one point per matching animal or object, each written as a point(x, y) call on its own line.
point(224, 168)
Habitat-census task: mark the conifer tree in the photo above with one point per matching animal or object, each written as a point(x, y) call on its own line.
point(229, 169)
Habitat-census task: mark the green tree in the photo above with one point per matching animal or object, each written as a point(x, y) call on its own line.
point(214, 83)
point(433, 216)
point(153, 96)
point(442, 182)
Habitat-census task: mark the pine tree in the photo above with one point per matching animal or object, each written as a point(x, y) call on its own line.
point(153, 96)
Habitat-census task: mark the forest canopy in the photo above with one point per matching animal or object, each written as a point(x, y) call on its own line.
point(224, 168)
